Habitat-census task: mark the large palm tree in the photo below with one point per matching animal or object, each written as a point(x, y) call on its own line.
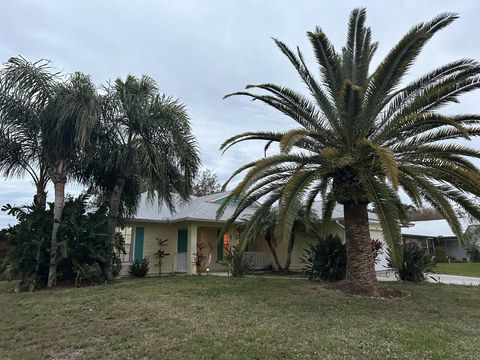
point(364, 136)
point(46, 120)
point(72, 114)
point(144, 142)
point(22, 105)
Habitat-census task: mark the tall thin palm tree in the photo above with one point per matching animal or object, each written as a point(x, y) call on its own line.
point(72, 115)
point(61, 112)
point(144, 142)
point(263, 228)
point(364, 136)
point(22, 105)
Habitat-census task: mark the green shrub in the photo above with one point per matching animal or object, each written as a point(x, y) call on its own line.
point(474, 254)
point(440, 256)
point(27, 258)
point(237, 263)
point(116, 266)
point(139, 268)
point(83, 242)
point(88, 274)
point(325, 259)
point(416, 262)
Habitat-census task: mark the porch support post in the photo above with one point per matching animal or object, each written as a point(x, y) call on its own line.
point(232, 234)
point(192, 249)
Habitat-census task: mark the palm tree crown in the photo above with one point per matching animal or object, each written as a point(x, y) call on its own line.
point(25, 89)
point(363, 136)
point(143, 142)
point(149, 143)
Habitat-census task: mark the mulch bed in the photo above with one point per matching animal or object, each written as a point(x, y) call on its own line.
point(377, 290)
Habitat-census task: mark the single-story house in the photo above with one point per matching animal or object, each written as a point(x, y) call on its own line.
point(195, 222)
point(433, 235)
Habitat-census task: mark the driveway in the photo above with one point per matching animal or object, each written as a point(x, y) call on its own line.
point(435, 278)
point(454, 279)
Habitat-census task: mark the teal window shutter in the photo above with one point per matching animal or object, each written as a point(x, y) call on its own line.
point(138, 249)
point(182, 240)
point(219, 248)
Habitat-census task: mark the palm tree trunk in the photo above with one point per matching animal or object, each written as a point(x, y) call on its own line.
point(113, 221)
point(268, 238)
point(360, 261)
point(289, 251)
point(40, 198)
point(59, 185)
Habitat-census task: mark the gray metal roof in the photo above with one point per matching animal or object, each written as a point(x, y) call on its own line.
point(337, 213)
point(428, 228)
point(438, 228)
point(204, 208)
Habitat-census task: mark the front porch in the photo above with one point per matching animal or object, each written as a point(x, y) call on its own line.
point(204, 238)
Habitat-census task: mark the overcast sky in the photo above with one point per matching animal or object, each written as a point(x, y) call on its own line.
point(198, 51)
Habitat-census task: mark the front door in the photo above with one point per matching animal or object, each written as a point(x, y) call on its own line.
point(138, 248)
point(182, 244)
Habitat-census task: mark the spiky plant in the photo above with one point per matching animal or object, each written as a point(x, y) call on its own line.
point(364, 136)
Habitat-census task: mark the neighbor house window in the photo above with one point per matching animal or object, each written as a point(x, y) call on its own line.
point(127, 233)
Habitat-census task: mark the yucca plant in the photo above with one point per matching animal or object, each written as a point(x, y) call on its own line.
point(416, 264)
point(364, 136)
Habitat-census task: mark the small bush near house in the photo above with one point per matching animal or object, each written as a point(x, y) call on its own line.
point(440, 256)
point(237, 263)
point(199, 257)
point(416, 262)
point(474, 254)
point(139, 268)
point(86, 274)
point(161, 253)
point(325, 259)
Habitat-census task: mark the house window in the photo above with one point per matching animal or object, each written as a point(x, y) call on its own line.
point(226, 243)
point(127, 233)
point(222, 247)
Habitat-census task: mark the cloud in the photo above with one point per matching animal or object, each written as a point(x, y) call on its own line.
point(198, 51)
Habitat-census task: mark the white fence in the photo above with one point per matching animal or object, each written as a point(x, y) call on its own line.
point(257, 258)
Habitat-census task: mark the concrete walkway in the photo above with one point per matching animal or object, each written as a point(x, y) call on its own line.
point(435, 278)
point(454, 279)
point(390, 276)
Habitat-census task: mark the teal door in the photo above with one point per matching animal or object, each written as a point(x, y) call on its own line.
point(182, 241)
point(220, 249)
point(138, 248)
point(182, 245)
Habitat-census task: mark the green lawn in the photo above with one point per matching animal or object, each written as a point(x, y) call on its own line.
point(227, 318)
point(464, 269)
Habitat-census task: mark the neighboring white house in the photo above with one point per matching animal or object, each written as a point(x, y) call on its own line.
point(195, 223)
point(434, 234)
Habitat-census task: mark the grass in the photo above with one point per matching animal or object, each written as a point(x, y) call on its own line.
point(463, 269)
point(228, 318)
